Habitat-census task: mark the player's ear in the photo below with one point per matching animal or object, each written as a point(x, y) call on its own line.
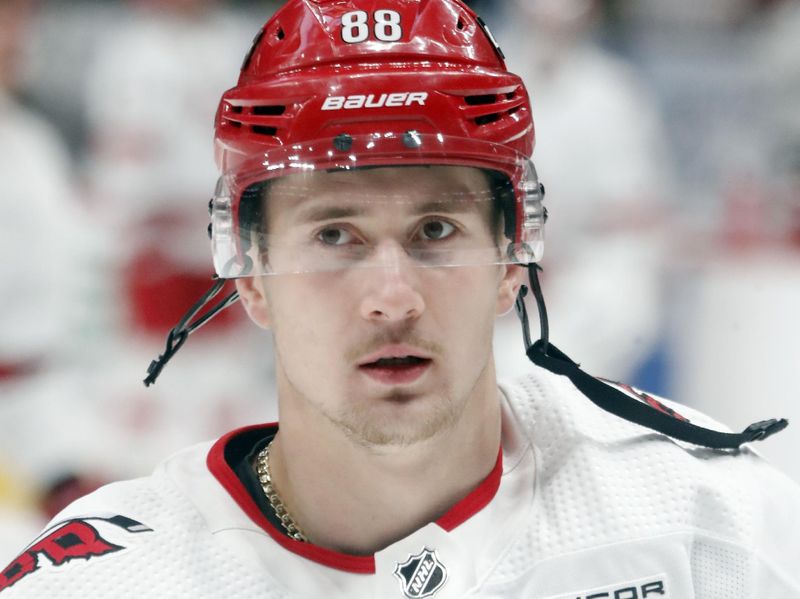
point(510, 283)
point(254, 299)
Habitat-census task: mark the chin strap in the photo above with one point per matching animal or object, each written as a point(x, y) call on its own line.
point(649, 413)
point(186, 326)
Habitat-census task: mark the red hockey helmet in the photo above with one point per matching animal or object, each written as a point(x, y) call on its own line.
point(337, 85)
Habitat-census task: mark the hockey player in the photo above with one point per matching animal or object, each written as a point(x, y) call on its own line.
point(378, 209)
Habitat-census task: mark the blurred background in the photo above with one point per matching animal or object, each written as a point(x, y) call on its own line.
point(668, 136)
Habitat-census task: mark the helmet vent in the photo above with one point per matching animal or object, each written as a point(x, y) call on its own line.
point(460, 24)
point(480, 100)
point(487, 118)
point(269, 110)
point(280, 35)
point(262, 130)
point(237, 109)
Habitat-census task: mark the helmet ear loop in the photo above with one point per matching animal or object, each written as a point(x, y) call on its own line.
point(533, 268)
point(522, 311)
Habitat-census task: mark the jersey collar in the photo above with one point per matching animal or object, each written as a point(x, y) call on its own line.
point(457, 515)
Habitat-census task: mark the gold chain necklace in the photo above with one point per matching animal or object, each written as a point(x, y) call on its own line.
point(265, 478)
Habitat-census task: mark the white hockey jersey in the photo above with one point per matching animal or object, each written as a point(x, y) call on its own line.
point(581, 505)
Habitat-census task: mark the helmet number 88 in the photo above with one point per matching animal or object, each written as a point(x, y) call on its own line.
point(355, 26)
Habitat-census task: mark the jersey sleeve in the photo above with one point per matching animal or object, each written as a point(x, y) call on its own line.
point(91, 547)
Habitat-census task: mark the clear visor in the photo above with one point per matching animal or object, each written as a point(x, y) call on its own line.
point(346, 213)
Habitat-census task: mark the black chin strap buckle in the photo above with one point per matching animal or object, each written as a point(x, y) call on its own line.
point(186, 326)
point(175, 339)
point(766, 428)
point(522, 312)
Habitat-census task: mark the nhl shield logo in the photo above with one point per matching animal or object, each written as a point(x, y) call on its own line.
point(421, 575)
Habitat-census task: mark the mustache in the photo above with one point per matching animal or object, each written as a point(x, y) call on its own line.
point(405, 336)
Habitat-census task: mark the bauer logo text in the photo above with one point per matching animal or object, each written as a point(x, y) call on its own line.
point(356, 102)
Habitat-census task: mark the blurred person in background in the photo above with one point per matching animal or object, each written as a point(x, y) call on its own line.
point(39, 227)
point(86, 286)
point(149, 119)
point(41, 242)
point(604, 150)
point(736, 346)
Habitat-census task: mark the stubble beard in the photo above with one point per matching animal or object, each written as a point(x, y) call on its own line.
point(399, 418)
point(373, 426)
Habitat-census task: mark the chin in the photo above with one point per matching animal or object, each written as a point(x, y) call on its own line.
point(400, 421)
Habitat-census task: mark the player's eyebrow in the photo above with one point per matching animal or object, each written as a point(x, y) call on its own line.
point(448, 206)
point(323, 212)
point(320, 212)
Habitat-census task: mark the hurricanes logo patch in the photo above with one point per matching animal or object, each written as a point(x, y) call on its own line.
point(421, 575)
point(73, 539)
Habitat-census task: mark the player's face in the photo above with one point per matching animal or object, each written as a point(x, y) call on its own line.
point(389, 350)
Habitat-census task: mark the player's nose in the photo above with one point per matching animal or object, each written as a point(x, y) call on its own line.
point(392, 289)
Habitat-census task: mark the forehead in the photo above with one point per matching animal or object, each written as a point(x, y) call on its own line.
point(385, 187)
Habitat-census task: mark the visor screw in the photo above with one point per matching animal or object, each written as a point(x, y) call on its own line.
point(343, 142)
point(210, 231)
point(210, 206)
point(412, 140)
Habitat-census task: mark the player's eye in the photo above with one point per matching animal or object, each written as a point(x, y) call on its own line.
point(335, 236)
point(435, 230)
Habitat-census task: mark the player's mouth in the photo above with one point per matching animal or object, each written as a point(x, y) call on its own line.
point(395, 365)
